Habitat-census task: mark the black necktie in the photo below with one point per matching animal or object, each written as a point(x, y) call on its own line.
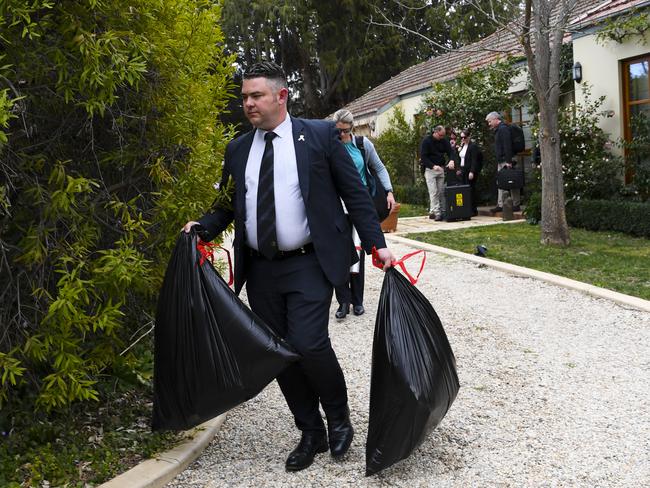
point(267, 241)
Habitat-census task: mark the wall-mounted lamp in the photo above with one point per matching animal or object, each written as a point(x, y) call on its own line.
point(577, 72)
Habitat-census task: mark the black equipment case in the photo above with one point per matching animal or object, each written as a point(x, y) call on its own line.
point(459, 203)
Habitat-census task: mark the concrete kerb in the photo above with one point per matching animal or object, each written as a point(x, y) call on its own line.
point(157, 472)
point(635, 302)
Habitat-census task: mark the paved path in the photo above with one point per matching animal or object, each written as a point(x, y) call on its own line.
point(410, 225)
point(554, 392)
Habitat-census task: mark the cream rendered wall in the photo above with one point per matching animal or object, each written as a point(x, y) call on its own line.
point(519, 82)
point(410, 105)
point(601, 70)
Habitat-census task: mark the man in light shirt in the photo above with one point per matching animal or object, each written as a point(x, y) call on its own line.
point(293, 244)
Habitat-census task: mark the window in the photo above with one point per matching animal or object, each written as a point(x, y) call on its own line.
point(636, 102)
point(521, 116)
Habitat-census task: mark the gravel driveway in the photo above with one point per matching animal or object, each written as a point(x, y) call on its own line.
point(555, 391)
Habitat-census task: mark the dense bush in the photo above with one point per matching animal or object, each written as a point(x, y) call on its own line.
point(590, 169)
point(416, 194)
point(614, 215)
point(114, 143)
point(398, 147)
point(533, 208)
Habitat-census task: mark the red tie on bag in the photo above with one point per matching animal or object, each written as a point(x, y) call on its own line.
point(400, 262)
point(206, 249)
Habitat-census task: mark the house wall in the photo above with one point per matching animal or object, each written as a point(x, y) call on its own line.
point(602, 71)
point(410, 105)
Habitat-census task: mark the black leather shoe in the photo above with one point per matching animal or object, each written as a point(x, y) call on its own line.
point(344, 309)
point(358, 310)
point(496, 209)
point(311, 443)
point(340, 433)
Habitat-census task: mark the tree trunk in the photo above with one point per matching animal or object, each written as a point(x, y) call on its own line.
point(544, 70)
point(554, 227)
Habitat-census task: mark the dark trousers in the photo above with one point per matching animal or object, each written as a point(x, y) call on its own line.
point(293, 297)
point(473, 192)
point(352, 291)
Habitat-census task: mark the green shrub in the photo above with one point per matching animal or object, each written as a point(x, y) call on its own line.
point(398, 148)
point(614, 215)
point(590, 170)
point(533, 208)
point(115, 143)
point(416, 194)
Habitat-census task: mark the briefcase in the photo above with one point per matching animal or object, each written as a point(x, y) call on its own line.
point(510, 179)
point(459, 203)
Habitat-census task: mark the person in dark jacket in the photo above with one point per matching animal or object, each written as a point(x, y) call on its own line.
point(454, 176)
point(470, 164)
point(293, 244)
point(504, 157)
point(436, 155)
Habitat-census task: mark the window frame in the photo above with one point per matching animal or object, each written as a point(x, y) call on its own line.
point(627, 104)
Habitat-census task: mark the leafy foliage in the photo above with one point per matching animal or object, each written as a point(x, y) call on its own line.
point(114, 143)
point(82, 446)
point(590, 169)
point(415, 194)
point(617, 29)
point(397, 146)
point(464, 102)
point(336, 51)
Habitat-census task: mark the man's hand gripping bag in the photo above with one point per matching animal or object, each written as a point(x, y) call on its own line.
point(211, 351)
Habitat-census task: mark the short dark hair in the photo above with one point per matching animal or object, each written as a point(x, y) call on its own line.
point(467, 132)
point(268, 70)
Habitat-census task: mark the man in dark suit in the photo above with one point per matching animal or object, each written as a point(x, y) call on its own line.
point(293, 244)
point(505, 158)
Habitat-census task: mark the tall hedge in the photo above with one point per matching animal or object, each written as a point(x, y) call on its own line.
point(109, 111)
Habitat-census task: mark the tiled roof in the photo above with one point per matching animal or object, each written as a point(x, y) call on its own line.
point(605, 9)
point(481, 53)
point(440, 68)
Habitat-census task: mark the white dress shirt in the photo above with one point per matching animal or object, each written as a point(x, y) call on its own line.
point(462, 153)
point(290, 214)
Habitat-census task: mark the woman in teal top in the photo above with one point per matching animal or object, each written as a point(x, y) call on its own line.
point(365, 158)
point(357, 157)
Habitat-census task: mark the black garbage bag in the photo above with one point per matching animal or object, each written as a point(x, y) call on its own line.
point(413, 379)
point(211, 351)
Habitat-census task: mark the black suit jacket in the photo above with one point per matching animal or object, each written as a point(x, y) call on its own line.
point(326, 173)
point(503, 144)
point(473, 159)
